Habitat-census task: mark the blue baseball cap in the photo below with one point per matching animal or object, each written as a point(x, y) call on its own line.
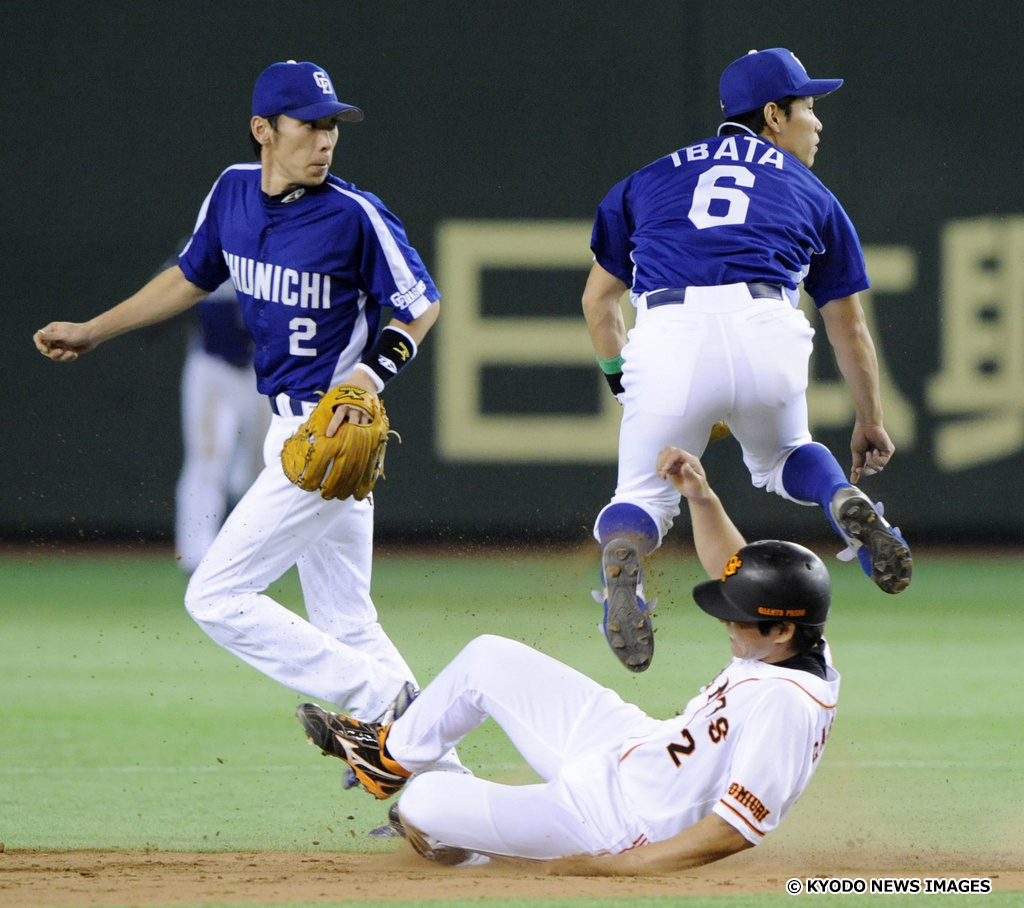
point(767, 75)
point(300, 90)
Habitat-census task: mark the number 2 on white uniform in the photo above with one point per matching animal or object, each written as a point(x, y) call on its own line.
point(302, 329)
point(708, 191)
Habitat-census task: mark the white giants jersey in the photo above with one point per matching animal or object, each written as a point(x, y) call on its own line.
point(745, 748)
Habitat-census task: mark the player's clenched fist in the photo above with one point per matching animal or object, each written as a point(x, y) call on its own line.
point(63, 341)
point(684, 471)
point(872, 448)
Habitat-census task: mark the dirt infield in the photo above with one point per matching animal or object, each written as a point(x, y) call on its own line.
point(31, 879)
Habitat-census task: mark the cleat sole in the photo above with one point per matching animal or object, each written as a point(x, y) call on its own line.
point(628, 627)
point(891, 563)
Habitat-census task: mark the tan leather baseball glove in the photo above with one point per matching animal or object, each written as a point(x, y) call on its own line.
point(347, 463)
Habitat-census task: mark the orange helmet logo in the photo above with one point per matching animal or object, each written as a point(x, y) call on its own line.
point(733, 566)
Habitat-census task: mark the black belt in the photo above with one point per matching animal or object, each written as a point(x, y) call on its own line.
point(759, 290)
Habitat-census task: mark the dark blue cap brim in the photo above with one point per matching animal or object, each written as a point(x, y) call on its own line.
point(818, 87)
point(321, 109)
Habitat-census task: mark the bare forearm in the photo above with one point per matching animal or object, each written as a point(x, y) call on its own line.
point(603, 312)
point(607, 331)
point(855, 355)
point(859, 366)
point(169, 293)
point(166, 295)
point(709, 840)
point(715, 536)
point(417, 329)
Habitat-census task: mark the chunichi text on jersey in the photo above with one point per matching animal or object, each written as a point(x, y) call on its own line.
point(278, 284)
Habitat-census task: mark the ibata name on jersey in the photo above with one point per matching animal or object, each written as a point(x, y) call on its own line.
point(728, 210)
point(312, 269)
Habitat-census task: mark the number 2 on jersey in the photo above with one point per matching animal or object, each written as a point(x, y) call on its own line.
point(677, 750)
point(709, 190)
point(718, 730)
point(303, 329)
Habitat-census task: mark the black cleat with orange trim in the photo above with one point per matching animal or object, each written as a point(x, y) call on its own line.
point(360, 744)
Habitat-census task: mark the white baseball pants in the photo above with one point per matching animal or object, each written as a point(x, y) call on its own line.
point(568, 728)
point(721, 355)
point(341, 655)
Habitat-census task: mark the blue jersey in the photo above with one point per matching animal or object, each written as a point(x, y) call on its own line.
point(312, 269)
point(727, 210)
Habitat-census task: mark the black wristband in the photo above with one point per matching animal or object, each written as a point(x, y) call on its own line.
point(393, 352)
point(614, 382)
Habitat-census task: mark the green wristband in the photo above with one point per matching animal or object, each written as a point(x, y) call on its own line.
point(610, 366)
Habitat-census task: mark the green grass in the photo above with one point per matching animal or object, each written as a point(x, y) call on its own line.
point(124, 727)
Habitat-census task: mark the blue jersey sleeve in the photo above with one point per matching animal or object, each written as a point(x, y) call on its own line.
point(610, 240)
point(839, 270)
point(202, 260)
point(393, 272)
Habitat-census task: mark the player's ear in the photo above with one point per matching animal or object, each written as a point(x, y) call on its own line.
point(786, 631)
point(261, 130)
point(773, 117)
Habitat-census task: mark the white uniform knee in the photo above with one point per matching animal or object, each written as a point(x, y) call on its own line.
point(447, 807)
point(417, 803)
point(483, 651)
point(482, 645)
point(202, 603)
point(196, 605)
point(485, 662)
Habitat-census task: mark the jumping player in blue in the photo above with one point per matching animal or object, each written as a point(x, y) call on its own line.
point(313, 260)
point(712, 243)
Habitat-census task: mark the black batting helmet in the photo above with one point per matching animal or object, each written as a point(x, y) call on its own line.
point(769, 581)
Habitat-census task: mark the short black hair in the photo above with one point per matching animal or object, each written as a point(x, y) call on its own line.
point(754, 119)
point(805, 636)
point(257, 149)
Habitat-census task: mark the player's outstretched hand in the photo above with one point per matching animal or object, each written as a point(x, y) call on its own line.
point(872, 448)
point(685, 471)
point(63, 341)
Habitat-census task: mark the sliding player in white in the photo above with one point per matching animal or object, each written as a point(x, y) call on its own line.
point(622, 792)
